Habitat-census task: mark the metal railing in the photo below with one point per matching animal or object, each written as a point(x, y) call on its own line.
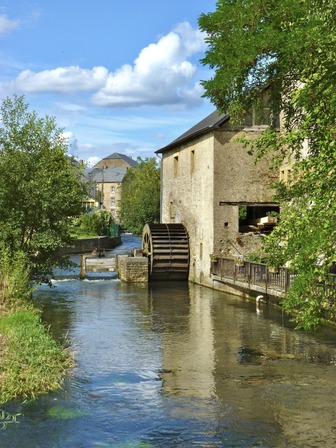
point(260, 275)
point(257, 274)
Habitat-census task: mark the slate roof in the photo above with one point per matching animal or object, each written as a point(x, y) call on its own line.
point(209, 123)
point(111, 174)
point(117, 155)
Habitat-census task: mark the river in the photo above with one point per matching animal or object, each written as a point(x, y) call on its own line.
point(178, 365)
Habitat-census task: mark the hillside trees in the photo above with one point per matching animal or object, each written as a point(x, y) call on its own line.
point(290, 47)
point(40, 189)
point(140, 202)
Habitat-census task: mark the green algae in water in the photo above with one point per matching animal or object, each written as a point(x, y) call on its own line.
point(63, 413)
point(124, 445)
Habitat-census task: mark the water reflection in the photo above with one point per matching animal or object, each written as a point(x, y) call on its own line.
point(176, 365)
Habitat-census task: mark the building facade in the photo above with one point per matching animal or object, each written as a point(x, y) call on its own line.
point(106, 179)
point(207, 177)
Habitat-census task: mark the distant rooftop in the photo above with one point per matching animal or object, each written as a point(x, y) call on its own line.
point(110, 174)
point(117, 155)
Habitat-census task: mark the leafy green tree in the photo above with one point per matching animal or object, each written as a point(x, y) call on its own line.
point(290, 47)
point(40, 189)
point(97, 223)
point(140, 200)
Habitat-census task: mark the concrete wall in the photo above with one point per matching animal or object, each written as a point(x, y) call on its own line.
point(196, 177)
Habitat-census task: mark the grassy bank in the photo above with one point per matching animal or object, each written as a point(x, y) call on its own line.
point(31, 362)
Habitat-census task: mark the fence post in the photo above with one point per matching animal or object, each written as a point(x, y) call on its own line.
point(82, 267)
point(287, 280)
point(266, 278)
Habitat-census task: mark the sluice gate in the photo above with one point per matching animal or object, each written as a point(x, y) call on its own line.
point(96, 264)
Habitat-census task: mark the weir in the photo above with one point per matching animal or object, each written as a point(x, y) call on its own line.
point(128, 268)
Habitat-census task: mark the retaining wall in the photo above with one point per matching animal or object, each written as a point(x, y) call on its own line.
point(87, 245)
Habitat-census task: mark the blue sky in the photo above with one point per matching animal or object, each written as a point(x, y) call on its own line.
point(118, 75)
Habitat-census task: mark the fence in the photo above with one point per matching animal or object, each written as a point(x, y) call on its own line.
point(260, 275)
point(256, 274)
point(114, 230)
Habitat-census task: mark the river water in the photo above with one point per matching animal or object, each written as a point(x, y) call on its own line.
point(178, 365)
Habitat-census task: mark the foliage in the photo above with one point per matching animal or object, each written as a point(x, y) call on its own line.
point(15, 283)
point(290, 47)
point(242, 212)
point(97, 223)
point(33, 363)
point(140, 202)
point(40, 187)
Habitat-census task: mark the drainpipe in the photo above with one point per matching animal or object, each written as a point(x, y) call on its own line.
point(161, 176)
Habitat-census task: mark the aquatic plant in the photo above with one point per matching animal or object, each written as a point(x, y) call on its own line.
point(6, 418)
point(63, 413)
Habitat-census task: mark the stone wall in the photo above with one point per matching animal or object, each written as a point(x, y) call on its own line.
point(133, 269)
point(201, 182)
point(187, 198)
point(87, 245)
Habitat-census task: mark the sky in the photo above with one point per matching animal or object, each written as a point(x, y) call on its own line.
point(118, 75)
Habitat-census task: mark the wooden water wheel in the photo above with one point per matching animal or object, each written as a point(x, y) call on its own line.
point(167, 249)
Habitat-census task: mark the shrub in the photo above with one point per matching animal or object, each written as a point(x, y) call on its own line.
point(15, 284)
point(97, 223)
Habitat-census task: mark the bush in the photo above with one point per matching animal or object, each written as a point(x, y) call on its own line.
point(97, 223)
point(15, 284)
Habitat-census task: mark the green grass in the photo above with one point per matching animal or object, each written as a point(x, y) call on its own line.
point(79, 233)
point(31, 362)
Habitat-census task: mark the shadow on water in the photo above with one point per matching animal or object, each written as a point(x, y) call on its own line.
point(178, 365)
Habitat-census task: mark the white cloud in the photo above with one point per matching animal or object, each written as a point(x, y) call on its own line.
point(71, 141)
point(91, 161)
point(160, 75)
point(7, 25)
point(71, 107)
point(62, 79)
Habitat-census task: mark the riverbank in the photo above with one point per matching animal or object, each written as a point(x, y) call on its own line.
point(31, 361)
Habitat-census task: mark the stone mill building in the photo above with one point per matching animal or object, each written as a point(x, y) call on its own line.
point(207, 178)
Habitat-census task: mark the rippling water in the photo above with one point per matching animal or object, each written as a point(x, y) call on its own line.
point(176, 365)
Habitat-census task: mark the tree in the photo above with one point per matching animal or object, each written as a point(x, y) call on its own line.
point(140, 200)
point(40, 189)
point(290, 47)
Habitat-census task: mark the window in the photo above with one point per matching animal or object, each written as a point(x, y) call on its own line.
point(112, 189)
point(192, 160)
point(257, 217)
point(175, 165)
point(262, 117)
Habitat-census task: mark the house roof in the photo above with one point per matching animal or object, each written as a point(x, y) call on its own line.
point(111, 174)
point(209, 123)
point(117, 155)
